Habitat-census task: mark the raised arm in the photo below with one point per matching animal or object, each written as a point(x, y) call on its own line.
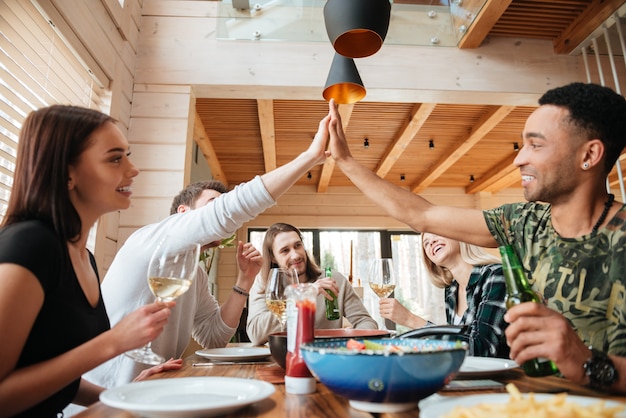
point(278, 181)
point(458, 223)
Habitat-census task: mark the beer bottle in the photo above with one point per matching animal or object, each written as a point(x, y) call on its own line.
point(332, 306)
point(518, 291)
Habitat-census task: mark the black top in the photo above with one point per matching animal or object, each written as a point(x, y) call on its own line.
point(66, 319)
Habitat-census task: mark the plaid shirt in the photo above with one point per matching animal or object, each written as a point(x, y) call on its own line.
point(486, 291)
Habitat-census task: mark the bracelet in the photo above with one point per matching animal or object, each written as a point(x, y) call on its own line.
point(239, 290)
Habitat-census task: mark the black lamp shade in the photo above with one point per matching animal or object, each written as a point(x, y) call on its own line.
point(357, 28)
point(344, 82)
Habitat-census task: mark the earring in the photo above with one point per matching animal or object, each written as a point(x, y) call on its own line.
point(585, 166)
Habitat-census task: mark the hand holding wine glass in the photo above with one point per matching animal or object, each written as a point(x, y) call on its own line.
point(382, 280)
point(382, 277)
point(275, 299)
point(171, 270)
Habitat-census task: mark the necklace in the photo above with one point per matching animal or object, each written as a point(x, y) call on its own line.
point(607, 206)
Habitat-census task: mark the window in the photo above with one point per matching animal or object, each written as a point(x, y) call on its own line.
point(414, 289)
point(350, 252)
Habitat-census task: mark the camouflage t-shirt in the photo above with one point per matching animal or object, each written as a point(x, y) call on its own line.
point(584, 278)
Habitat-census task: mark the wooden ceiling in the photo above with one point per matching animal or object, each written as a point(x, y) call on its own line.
point(473, 146)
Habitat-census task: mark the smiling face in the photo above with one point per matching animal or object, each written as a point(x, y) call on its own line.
point(439, 250)
point(549, 161)
point(288, 252)
point(100, 182)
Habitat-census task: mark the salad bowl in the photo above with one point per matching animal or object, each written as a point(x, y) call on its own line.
point(385, 374)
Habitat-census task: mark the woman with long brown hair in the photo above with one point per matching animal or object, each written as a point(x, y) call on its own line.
point(72, 167)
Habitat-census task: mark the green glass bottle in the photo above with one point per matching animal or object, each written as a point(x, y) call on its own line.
point(332, 306)
point(518, 291)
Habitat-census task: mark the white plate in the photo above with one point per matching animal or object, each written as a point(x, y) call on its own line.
point(473, 366)
point(235, 353)
point(436, 406)
point(187, 397)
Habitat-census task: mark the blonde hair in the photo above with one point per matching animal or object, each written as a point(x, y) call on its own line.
point(471, 254)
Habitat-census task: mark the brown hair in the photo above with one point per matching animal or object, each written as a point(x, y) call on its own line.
point(190, 194)
point(313, 271)
point(51, 140)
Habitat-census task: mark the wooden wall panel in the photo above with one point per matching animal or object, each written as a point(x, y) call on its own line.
point(93, 28)
point(159, 157)
point(160, 140)
point(161, 184)
point(146, 211)
point(161, 105)
point(155, 130)
point(179, 45)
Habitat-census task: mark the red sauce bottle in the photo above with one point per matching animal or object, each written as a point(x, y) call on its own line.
point(300, 329)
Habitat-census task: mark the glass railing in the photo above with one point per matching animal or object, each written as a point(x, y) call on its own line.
point(440, 24)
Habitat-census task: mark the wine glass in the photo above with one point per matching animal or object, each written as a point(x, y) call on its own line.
point(171, 270)
point(275, 299)
point(382, 279)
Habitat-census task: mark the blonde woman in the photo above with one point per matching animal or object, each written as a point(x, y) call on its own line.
point(474, 294)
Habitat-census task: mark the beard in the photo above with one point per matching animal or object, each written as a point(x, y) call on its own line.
point(552, 187)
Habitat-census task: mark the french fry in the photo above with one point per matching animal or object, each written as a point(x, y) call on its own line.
point(522, 406)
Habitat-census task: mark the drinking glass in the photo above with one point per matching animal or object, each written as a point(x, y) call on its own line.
point(382, 278)
point(275, 299)
point(171, 270)
point(382, 281)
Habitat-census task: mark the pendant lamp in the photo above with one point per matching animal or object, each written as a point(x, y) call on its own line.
point(344, 82)
point(357, 28)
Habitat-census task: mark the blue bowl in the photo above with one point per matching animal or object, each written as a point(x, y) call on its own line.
point(380, 380)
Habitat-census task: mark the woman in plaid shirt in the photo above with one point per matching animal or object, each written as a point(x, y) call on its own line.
point(474, 293)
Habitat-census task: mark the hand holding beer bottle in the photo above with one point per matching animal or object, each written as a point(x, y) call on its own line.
point(332, 306)
point(518, 291)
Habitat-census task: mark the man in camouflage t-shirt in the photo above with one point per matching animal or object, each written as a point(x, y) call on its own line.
point(572, 246)
point(584, 278)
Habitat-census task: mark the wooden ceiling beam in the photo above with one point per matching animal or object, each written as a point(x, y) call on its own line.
point(484, 126)
point(419, 116)
point(206, 147)
point(345, 111)
point(265, 110)
point(512, 179)
point(578, 30)
point(491, 181)
point(489, 14)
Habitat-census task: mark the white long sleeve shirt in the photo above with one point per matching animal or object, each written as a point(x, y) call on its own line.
point(197, 313)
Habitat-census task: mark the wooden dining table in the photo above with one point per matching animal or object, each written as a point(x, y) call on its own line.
point(324, 403)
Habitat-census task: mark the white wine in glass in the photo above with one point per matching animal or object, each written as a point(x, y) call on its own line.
point(275, 299)
point(171, 270)
point(382, 278)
